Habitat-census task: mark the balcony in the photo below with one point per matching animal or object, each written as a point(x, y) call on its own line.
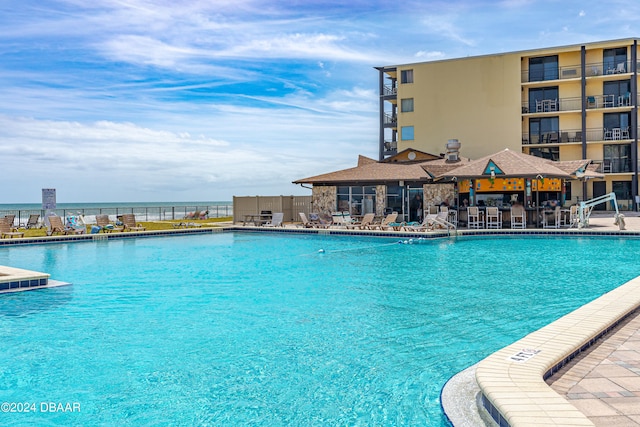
point(575, 104)
point(575, 71)
point(390, 147)
point(390, 120)
point(574, 136)
point(389, 90)
point(615, 165)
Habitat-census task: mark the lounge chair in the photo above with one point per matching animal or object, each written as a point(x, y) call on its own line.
point(276, 220)
point(6, 231)
point(317, 220)
point(346, 218)
point(305, 222)
point(105, 224)
point(365, 223)
point(129, 223)
point(33, 221)
point(425, 225)
point(9, 219)
point(56, 226)
point(337, 219)
point(325, 220)
point(385, 224)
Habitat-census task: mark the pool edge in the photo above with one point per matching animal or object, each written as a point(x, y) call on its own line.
point(514, 393)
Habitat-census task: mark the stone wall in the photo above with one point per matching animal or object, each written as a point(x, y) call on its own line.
point(324, 198)
point(434, 194)
point(381, 199)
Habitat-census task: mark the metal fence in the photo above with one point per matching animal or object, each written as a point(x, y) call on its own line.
point(144, 213)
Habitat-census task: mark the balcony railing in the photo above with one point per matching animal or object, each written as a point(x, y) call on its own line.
point(390, 146)
point(616, 165)
point(390, 119)
point(567, 136)
point(575, 104)
point(388, 90)
point(575, 71)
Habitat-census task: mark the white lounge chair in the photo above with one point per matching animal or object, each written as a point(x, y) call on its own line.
point(276, 220)
point(384, 225)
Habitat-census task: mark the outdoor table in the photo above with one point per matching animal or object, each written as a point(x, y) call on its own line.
point(256, 219)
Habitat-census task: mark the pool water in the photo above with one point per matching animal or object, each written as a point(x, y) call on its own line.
point(279, 330)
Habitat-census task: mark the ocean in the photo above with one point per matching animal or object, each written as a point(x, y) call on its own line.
point(151, 211)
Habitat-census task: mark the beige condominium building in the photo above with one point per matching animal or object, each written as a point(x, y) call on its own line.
point(562, 103)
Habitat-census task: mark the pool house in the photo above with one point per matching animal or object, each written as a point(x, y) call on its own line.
point(500, 179)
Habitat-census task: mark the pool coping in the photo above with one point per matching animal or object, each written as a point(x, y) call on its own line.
point(18, 280)
point(108, 236)
point(320, 231)
point(512, 380)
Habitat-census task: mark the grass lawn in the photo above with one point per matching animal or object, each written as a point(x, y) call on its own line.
point(150, 225)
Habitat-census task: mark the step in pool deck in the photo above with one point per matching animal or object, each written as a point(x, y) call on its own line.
point(18, 280)
point(512, 380)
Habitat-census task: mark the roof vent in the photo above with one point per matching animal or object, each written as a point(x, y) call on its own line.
point(453, 150)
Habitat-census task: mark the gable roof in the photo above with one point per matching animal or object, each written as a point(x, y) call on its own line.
point(513, 164)
point(370, 172)
point(411, 155)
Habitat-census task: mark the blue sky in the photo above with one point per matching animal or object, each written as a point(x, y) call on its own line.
point(133, 100)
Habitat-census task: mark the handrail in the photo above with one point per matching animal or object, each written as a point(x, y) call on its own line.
point(574, 71)
point(569, 136)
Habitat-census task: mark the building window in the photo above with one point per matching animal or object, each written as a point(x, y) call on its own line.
point(406, 105)
point(617, 158)
point(357, 200)
point(536, 96)
point(567, 191)
point(407, 133)
point(394, 198)
point(406, 76)
point(617, 93)
point(614, 60)
point(550, 153)
point(544, 130)
point(543, 68)
point(622, 190)
point(616, 125)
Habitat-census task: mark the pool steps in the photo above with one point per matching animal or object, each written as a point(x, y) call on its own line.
point(17, 280)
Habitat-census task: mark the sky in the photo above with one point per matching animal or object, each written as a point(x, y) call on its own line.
point(203, 100)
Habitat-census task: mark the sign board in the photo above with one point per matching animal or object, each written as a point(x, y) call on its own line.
point(48, 203)
point(48, 198)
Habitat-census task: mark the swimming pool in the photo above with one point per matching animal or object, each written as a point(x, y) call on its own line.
point(264, 329)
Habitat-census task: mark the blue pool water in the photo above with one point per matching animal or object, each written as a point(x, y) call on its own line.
point(264, 330)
